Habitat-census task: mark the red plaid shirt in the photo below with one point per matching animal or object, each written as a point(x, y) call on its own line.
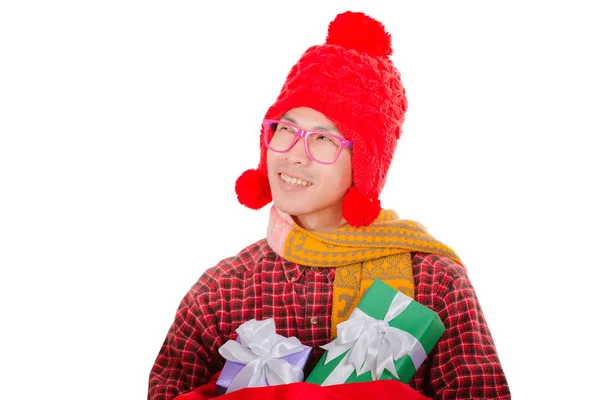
point(257, 283)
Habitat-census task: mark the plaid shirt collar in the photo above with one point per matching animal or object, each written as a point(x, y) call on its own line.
point(295, 272)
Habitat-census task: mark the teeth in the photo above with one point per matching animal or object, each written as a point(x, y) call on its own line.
point(294, 181)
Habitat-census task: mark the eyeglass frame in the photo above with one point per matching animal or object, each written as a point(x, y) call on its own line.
point(303, 133)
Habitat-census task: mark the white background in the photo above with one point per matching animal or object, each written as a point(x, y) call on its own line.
point(124, 125)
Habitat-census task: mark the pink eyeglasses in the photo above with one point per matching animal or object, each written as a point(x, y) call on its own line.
point(322, 147)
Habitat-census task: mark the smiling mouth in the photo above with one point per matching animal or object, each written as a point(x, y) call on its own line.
point(294, 181)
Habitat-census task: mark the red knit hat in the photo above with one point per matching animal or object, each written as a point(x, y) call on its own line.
point(353, 82)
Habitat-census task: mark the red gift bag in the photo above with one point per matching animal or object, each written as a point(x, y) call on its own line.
point(383, 389)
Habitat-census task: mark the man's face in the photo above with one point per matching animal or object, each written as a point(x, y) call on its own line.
point(309, 191)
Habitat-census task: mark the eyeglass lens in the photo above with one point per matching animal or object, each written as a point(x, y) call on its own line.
point(321, 146)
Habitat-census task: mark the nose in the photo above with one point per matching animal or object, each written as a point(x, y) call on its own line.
point(297, 154)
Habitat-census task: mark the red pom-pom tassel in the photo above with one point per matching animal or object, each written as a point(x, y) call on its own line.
point(253, 190)
point(359, 210)
point(355, 30)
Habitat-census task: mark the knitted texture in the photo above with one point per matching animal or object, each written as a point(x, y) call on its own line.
point(360, 255)
point(352, 81)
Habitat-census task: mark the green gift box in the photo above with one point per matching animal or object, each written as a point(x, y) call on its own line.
point(388, 336)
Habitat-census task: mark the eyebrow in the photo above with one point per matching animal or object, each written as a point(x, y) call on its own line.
point(320, 128)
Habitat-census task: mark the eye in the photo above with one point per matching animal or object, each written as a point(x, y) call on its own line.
point(285, 128)
point(324, 137)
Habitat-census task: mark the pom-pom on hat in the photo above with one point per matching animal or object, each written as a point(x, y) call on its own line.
point(352, 81)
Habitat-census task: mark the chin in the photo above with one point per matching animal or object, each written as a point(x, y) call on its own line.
point(292, 208)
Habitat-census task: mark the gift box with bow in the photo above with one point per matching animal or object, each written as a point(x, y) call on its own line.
point(261, 357)
point(388, 336)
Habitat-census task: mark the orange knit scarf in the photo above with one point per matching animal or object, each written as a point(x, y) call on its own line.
point(360, 255)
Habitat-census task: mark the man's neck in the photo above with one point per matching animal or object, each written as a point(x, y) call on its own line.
point(317, 223)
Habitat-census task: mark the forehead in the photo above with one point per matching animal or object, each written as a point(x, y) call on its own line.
point(308, 118)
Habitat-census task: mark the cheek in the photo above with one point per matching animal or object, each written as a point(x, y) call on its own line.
point(347, 175)
point(340, 178)
point(346, 170)
point(272, 160)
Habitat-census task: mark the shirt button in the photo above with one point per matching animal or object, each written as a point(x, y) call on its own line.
point(293, 279)
point(314, 320)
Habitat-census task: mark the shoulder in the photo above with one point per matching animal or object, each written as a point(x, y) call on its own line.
point(437, 265)
point(436, 275)
point(245, 263)
point(233, 277)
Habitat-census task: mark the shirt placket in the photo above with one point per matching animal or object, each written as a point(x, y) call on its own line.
point(316, 321)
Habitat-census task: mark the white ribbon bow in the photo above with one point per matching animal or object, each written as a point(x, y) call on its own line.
point(374, 345)
point(262, 350)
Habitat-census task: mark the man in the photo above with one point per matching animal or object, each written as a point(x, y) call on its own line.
point(327, 144)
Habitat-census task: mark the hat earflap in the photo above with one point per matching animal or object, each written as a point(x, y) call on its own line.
point(360, 210)
point(253, 189)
